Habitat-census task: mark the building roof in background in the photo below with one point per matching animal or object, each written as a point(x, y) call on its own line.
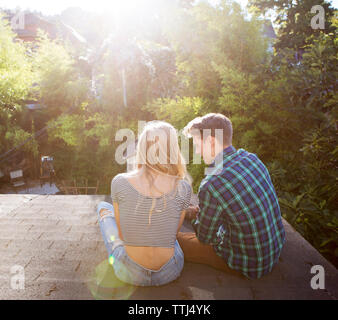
point(31, 23)
point(52, 26)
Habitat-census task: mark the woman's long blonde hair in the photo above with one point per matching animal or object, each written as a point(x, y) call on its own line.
point(158, 149)
point(158, 152)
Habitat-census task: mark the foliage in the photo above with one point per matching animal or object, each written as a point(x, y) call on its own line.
point(15, 72)
point(294, 20)
point(206, 37)
point(16, 79)
point(61, 86)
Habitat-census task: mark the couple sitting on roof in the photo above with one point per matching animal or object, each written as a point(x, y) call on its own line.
point(238, 225)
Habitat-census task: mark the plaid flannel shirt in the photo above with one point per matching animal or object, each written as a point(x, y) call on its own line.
point(239, 213)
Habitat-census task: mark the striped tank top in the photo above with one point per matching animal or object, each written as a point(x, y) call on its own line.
point(139, 227)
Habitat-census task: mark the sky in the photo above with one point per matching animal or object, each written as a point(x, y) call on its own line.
point(56, 7)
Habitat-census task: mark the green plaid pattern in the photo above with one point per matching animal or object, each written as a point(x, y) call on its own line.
point(239, 213)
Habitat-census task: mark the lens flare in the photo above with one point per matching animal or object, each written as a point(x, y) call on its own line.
point(104, 285)
point(111, 259)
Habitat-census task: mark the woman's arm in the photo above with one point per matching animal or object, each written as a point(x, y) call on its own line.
point(117, 218)
point(181, 221)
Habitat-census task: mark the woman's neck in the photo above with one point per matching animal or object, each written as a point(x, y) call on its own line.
point(157, 182)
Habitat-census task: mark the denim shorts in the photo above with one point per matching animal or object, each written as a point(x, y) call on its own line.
point(125, 268)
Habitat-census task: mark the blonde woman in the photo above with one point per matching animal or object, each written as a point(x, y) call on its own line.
point(140, 228)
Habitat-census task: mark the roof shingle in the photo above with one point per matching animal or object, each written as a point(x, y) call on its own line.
point(56, 239)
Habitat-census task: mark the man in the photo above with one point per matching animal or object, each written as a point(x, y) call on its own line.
point(238, 225)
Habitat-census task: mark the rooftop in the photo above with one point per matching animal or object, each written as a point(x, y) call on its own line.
point(57, 241)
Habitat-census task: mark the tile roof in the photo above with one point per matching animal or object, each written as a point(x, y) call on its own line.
point(57, 241)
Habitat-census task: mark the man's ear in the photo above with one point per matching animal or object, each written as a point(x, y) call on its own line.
point(212, 142)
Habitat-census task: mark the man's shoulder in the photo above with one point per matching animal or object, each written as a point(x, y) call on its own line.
point(205, 183)
point(213, 182)
point(241, 159)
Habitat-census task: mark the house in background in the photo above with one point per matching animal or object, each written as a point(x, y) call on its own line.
point(27, 30)
point(31, 22)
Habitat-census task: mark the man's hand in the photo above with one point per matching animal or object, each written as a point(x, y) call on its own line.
point(191, 212)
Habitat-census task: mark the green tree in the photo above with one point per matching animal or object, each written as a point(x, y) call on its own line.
point(60, 84)
point(16, 79)
point(294, 20)
point(206, 37)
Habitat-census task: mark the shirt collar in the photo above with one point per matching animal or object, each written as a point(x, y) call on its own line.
point(228, 151)
point(222, 155)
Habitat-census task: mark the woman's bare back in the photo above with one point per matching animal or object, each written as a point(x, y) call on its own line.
point(151, 257)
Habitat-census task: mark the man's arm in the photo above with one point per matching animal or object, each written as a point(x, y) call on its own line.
point(208, 218)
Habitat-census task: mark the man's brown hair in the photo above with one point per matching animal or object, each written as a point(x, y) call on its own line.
point(211, 121)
